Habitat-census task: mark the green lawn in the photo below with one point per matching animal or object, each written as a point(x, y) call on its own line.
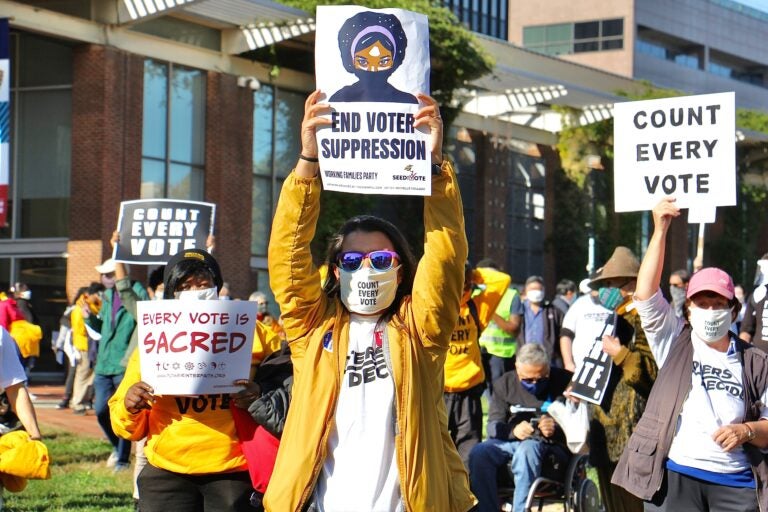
point(79, 481)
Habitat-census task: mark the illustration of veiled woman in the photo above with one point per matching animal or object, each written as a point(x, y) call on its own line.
point(372, 47)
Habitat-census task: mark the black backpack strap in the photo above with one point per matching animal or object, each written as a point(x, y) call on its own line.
point(473, 311)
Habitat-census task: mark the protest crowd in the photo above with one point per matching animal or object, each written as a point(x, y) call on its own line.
point(391, 383)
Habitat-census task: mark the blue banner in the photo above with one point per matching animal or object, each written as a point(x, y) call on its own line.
point(5, 117)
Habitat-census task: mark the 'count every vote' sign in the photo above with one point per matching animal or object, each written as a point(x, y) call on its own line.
point(682, 147)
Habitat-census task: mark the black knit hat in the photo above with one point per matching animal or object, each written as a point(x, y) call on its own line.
point(195, 255)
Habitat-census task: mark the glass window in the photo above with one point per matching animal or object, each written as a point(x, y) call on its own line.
point(612, 27)
point(41, 132)
point(43, 62)
point(561, 32)
point(43, 161)
point(289, 114)
point(263, 130)
point(187, 116)
point(558, 49)
point(612, 44)
point(277, 116)
point(533, 35)
point(261, 215)
point(591, 46)
point(155, 113)
point(173, 137)
point(587, 30)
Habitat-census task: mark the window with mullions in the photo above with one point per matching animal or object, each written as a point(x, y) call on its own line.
point(565, 38)
point(277, 116)
point(173, 137)
point(41, 127)
point(487, 17)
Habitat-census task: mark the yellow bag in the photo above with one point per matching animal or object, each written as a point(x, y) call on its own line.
point(27, 336)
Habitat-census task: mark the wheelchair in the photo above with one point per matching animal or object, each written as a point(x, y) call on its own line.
point(573, 484)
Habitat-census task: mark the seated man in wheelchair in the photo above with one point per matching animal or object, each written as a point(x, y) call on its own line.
point(518, 430)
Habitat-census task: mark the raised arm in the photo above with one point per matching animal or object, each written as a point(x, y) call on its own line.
point(294, 279)
point(439, 279)
point(649, 276)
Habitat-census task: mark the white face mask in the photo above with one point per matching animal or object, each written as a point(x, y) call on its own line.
point(535, 296)
point(710, 325)
point(204, 294)
point(367, 291)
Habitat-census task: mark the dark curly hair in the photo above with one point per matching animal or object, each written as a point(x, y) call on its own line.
point(371, 224)
point(374, 26)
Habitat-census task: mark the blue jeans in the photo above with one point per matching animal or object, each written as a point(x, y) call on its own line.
point(104, 386)
point(487, 457)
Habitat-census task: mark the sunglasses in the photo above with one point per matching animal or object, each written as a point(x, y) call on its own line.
point(351, 261)
point(534, 380)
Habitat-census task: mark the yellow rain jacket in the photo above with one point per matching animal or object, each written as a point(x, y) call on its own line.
point(432, 476)
point(187, 435)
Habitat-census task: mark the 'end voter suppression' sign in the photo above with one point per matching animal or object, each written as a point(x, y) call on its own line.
point(195, 347)
point(681, 147)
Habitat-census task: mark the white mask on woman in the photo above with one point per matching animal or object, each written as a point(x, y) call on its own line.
point(204, 294)
point(710, 325)
point(367, 291)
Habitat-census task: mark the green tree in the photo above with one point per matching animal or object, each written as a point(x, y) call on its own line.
point(729, 248)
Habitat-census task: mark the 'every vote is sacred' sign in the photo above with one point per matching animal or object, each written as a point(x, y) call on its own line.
point(195, 348)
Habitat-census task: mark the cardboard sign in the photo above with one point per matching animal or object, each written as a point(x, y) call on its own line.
point(153, 230)
point(195, 347)
point(681, 147)
point(591, 377)
point(370, 64)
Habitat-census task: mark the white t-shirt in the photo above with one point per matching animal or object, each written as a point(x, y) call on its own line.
point(360, 471)
point(11, 371)
point(716, 397)
point(586, 320)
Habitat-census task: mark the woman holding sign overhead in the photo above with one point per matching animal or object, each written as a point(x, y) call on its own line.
point(697, 445)
point(367, 428)
point(195, 462)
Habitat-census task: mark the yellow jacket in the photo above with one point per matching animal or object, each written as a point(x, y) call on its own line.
point(464, 367)
point(432, 477)
point(79, 334)
point(187, 435)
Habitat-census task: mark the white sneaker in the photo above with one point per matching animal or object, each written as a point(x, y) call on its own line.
point(112, 460)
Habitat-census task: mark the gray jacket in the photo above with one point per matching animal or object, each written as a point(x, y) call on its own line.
point(641, 467)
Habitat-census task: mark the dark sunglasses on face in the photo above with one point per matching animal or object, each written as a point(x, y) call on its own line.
point(533, 380)
point(351, 261)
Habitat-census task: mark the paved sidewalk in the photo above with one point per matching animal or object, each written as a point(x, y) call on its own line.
point(46, 399)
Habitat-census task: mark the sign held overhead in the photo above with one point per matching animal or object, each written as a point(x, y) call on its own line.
point(683, 147)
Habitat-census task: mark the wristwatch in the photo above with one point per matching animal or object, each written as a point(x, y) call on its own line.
point(436, 169)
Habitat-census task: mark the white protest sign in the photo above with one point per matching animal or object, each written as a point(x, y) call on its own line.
point(682, 147)
point(590, 380)
point(153, 230)
point(195, 347)
point(370, 64)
